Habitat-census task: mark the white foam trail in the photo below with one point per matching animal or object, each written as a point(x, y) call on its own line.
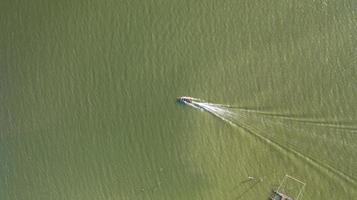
point(235, 119)
point(217, 111)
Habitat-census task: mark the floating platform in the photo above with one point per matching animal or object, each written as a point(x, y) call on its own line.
point(290, 188)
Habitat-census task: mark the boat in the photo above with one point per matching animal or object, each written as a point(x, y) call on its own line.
point(184, 100)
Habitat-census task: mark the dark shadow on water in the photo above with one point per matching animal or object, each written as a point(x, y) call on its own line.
point(251, 182)
point(242, 194)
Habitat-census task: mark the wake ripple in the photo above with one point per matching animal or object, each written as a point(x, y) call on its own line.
point(225, 113)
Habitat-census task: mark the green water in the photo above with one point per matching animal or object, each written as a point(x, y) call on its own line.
point(88, 88)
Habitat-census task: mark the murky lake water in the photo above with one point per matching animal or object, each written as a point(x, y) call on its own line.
point(88, 94)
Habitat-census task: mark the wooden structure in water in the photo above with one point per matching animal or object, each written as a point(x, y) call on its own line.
point(283, 192)
point(280, 196)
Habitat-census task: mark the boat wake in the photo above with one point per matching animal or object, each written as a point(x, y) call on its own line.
point(242, 118)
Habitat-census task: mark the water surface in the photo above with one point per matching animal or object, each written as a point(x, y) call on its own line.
point(88, 98)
